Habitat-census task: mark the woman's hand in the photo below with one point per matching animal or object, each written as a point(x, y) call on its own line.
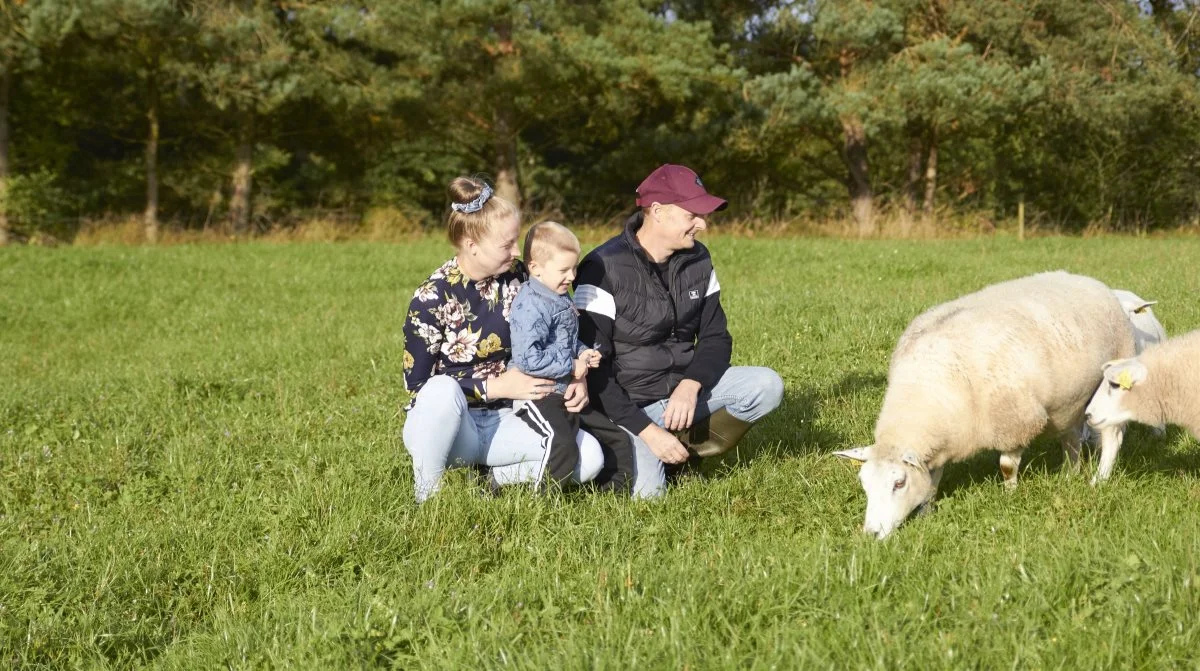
point(576, 396)
point(515, 385)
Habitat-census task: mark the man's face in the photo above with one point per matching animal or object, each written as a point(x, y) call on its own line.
point(677, 227)
point(556, 271)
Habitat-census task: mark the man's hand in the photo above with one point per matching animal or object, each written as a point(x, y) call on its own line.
point(576, 396)
point(681, 407)
point(664, 445)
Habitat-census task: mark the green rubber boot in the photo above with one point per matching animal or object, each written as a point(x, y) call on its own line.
point(716, 434)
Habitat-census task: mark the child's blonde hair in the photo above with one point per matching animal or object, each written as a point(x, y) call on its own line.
point(471, 214)
point(547, 237)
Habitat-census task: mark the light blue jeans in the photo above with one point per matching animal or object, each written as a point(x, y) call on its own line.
point(746, 392)
point(442, 432)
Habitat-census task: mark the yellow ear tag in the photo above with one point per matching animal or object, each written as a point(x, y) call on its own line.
point(854, 460)
point(1125, 380)
point(1140, 310)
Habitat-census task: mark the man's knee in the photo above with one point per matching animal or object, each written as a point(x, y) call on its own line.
point(759, 391)
point(772, 391)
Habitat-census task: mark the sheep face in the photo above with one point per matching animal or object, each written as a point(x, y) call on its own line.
point(894, 489)
point(1110, 405)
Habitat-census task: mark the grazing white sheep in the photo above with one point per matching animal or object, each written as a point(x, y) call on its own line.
point(1147, 331)
point(989, 370)
point(1146, 328)
point(1159, 387)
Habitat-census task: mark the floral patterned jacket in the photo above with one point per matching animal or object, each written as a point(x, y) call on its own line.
point(459, 327)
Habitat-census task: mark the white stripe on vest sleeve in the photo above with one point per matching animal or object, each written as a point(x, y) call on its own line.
point(713, 285)
point(592, 298)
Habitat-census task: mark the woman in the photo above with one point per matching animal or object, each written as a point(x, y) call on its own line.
point(456, 352)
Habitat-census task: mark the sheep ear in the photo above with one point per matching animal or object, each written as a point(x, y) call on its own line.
point(1110, 364)
point(855, 454)
point(1126, 373)
point(1138, 371)
point(911, 459)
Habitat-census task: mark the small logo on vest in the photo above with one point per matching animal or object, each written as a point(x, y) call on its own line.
point(694, 294)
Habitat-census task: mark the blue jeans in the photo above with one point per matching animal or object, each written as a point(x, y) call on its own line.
point(746, 392)
point(442, 432)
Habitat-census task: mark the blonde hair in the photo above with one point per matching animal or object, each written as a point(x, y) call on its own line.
point(474, 225)
point(547, 237)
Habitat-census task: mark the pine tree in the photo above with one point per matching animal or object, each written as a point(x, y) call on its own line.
point(28, 30)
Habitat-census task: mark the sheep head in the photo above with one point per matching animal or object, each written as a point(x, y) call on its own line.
point(895, 487)
point(1110, 404)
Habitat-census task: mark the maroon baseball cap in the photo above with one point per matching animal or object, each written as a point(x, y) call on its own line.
point(677, 185)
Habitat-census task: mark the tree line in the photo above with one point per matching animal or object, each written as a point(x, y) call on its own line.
point(238, 113)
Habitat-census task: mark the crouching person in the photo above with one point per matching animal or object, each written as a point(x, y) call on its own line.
point(545, 337)
point(457, 345)
point(650, 300)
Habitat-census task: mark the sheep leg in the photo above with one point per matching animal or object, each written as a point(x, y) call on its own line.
point(935, 476)
point(1110, 443)
point(1009, 463)
point(1071, 442)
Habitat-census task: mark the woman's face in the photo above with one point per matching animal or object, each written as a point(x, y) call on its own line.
point(496, 250)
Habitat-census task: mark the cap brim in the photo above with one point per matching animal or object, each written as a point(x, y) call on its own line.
point(705, 204)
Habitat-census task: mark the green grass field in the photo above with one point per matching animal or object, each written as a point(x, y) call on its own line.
point(200, 467)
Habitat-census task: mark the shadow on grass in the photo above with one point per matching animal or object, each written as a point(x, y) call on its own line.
point(796, 428)
point(1146, 453)
point(1143, 453)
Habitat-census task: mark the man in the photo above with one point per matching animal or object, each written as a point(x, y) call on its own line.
point(650, 301)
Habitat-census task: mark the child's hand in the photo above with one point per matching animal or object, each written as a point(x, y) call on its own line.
point(581, 368)
point(591, 356)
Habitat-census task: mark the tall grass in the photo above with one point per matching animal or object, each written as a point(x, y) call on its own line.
point(200, 466)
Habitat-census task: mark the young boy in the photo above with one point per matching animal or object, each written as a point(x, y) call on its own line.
point(545, 343)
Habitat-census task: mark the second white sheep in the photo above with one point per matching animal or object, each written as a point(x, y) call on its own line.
point(1147, 330)
point(1160, 386)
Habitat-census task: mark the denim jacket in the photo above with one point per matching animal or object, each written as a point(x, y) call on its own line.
point(545, 334)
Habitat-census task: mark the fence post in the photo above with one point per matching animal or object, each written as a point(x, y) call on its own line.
point(1021, 218)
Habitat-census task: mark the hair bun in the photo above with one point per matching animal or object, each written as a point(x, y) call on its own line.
point(465, 189)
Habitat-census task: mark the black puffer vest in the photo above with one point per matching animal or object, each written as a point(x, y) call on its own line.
point(654, 331)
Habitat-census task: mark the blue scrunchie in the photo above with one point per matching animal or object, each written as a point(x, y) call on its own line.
point(475, 205)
